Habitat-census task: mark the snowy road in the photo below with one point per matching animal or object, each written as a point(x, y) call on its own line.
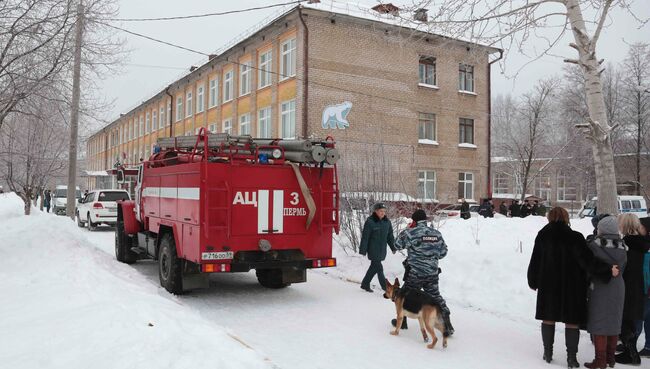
point(329, 323)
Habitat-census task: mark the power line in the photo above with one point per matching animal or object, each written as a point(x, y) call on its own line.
point(155, 66)
point(204, 15)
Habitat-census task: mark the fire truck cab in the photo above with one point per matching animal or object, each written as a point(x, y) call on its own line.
point(216, 203)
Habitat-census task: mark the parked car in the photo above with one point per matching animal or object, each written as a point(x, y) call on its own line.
point(99, 207)
point(626, 204)
point(453, 211)
point(60, 199)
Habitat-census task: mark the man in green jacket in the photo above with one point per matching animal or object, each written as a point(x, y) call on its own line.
point(377, 232)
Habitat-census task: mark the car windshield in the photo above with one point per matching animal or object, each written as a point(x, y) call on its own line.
point(590, 204)
point(113, 196)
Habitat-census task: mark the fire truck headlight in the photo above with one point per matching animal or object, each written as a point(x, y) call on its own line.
point(264, 245)
point(277, 153)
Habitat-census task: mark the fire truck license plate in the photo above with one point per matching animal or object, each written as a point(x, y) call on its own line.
point(217, 255)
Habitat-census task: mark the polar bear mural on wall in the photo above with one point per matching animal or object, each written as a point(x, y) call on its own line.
point(335, 116)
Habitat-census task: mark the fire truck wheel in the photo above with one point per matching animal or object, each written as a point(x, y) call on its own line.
point(271, 278)
point(123, 245)
point(80, 224)
point(169, 266)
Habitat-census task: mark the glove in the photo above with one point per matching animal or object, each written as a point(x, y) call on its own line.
point(439, 270)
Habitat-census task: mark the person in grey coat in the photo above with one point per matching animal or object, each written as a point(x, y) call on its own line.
point(377, 233)
point(606, 299)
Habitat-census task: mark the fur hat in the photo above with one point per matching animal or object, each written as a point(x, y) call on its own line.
point(608, 227)
point(419, 215)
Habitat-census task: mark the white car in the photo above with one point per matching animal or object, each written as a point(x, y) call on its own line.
point(60, 199)
point(99, 207)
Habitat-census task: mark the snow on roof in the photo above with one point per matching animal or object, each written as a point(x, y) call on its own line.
point(509, 196)
point(393, 17)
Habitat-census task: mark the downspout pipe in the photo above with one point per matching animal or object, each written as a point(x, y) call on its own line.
point(489, 159)
point(171, 111)
point(305, 77)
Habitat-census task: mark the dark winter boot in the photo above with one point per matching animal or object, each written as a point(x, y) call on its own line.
point(548, 338)
point(630, 355)
point(600, 346)
point(572, 338)
point(611, 350)
point(404, 325)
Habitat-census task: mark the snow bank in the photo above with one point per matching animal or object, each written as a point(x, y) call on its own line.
point(68, 305)
point(488, 274)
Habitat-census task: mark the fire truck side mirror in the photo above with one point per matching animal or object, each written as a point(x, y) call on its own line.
point(120, 176)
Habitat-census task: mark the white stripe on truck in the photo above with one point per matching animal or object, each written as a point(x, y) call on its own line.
point(278, 211)
point(181, 193)
point(262, 211)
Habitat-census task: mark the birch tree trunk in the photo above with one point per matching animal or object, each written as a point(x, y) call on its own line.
point(599, 129)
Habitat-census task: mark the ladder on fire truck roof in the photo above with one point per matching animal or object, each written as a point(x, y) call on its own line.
point(215, 140)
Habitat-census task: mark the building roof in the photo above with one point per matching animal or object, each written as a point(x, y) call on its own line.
point(351, 11)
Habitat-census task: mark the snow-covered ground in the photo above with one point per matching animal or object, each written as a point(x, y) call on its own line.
point(81, 305)
point(66, 304)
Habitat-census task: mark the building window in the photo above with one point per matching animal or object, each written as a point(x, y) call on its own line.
point(213, 93)
point(245, 78)
point(543, 186)
point(288, 62)
point(427, 127)
point(130, 131)
point(179, 108)
point(200, 102)
point(264, 123)
point(264, 73)
point(466, 186)
point(141, 126)
point(227, 86)
point(163, 122)
point(213, 128)
point(154, 121)
point(428, 71)
point(501, 182)
point(245, 124)
point(565, 190)
point(227, 126)
point(466, 131)
point(147, 123)
point(466, 78)
point(427, 185)
point(288, 119)
point(188, 104)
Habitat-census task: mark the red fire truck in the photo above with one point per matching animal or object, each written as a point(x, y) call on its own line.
point(217, 203)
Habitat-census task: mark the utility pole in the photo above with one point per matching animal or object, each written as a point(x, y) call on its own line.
point(74, 118)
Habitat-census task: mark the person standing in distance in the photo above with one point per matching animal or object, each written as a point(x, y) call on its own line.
point(377, 233)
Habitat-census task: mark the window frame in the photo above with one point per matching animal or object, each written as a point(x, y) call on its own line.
point(290, 54)
point(229, 129)
point(264, 69)
point(189, 99)
point(247, 123)
point(147, 125)
point(291, 108)
point(464, 182)
point(228, 82)
point(179, 108)
point(426, 62)
point(465, 70)
point(200, 98)
point(462, 130)
point(425, 119)
point(213, 92)
point(422, 184)
point(262, 133)
point(245, 77)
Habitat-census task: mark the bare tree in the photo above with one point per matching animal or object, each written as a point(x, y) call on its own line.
point(32, 149)
point(523, 130)
point(513, 24)
point(636, 93)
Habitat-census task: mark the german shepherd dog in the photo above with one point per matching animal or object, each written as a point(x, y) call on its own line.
point(418, 305)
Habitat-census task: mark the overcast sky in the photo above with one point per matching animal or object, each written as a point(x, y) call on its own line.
point(151, 66)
